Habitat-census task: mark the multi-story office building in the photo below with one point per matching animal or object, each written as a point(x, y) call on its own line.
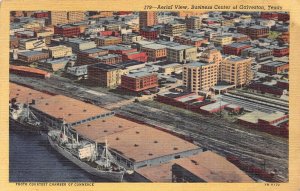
point(236, 70)
point(175, 29)
point(75, 16)
point(58, 51)
point(147, 18)
point(212, 55)
point(155, 51)
point(193, 22)
point(104, 75)
point(200, 75)
point(64, 17)
point(181, 53)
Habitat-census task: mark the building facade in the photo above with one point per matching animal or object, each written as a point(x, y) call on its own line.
point(147, 18)
point(104, 75)
point(139, 81)
point(58, 51)
point(200, 76)
point(181, 54)
point(155, 52)
point(105, 41)
point(175, 29)
point(193, 22)
point(236, 70)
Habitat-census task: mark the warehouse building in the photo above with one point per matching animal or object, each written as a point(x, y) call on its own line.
point(135, 145)
point(32, 56)
point(58, 110)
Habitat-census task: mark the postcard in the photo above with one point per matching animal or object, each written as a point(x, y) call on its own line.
point(149, 95)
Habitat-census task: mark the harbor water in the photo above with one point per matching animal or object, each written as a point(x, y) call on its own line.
point(32, 159)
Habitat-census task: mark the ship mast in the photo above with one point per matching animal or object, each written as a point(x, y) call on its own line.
point(106, 150)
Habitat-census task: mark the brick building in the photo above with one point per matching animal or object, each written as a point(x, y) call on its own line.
point(283, 16)
point(149, 33)
point(254, 32)
point(235, 48)
point(269, 15)
point(138, 56)
point(41, 14)
point(67, 30)
point(140, 81)
point(281, 51)
point(274, 67)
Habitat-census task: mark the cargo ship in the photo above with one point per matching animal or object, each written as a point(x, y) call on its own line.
point(85, 155)
point(20, 114)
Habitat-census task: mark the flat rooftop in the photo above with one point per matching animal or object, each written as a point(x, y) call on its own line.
point(31, 53)
point(157, 173)
point(154, 46)
point(24, 94)
point(101, 128)
point(213, 106)
point(275, 63)
point(212, 167)
point(180, 47)
point(143, 142)
point(197, 64)
point(237, 45)
point(252, 117)
point(105, 67)
point(140, 74)
point(93, 50)
point(69, 109)
point(135, 141)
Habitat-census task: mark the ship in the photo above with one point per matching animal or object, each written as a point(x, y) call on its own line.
point(21, 115)
point(85, 155)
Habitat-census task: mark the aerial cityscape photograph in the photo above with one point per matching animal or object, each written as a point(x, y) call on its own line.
point(145, 96)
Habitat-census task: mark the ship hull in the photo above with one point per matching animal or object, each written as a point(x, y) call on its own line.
point(18, 125)
point(113, 176)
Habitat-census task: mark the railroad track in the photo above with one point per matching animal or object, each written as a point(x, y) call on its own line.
point(254, 148)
